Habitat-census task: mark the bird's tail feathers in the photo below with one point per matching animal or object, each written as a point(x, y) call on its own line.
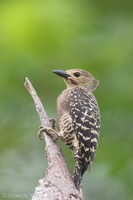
point(78, 173)
point(80, 167)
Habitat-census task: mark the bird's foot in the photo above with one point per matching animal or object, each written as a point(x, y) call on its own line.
point(52, 122)
point(53, 133)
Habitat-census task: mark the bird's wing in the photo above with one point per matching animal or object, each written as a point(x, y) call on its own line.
point(86, 123)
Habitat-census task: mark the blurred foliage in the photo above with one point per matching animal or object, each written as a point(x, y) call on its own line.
point(38, 36)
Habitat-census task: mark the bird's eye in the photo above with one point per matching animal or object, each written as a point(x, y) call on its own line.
point(77, 74)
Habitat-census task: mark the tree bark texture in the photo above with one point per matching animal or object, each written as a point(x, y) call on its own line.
point(58, 183)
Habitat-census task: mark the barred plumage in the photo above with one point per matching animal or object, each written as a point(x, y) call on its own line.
point(79, 118)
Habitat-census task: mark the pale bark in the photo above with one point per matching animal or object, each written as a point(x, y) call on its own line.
point(58, 183)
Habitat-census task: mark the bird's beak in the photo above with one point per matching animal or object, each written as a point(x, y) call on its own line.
point(61, 73)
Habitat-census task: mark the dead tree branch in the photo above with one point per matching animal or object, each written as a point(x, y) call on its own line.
point(58, 183)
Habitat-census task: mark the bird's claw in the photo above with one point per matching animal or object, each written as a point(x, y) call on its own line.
point(39, 134)
point(52, 122)
point(53, 133)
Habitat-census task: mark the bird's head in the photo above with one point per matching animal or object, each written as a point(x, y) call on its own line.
point(78, 78)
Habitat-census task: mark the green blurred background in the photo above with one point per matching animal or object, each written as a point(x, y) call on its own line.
point(38, 36)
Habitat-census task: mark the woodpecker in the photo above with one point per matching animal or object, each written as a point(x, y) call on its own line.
point(79, 118)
